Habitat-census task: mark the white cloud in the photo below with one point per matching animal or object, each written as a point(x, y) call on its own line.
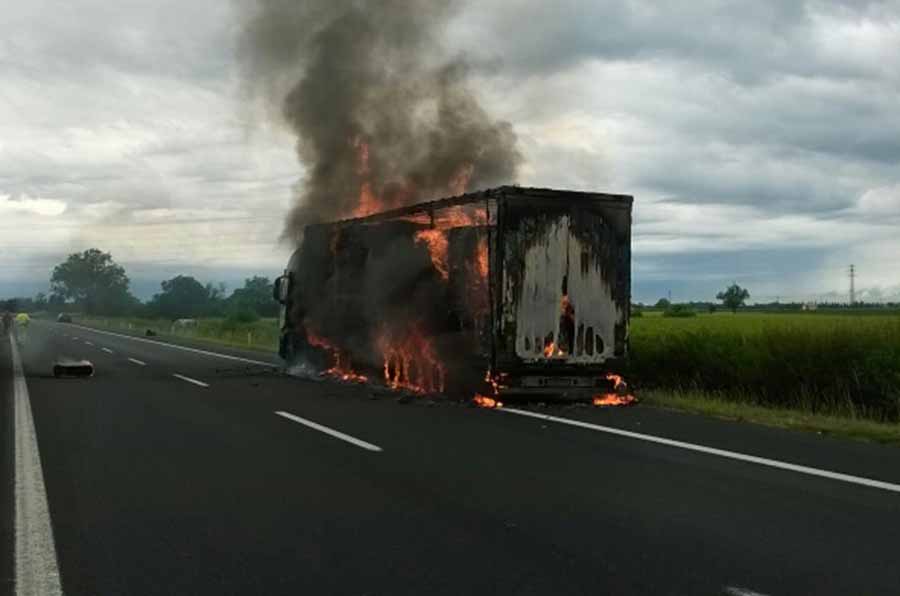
point(29, 205)
point(881, 202)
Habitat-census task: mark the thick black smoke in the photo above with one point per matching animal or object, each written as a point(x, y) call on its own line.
point(348, 74)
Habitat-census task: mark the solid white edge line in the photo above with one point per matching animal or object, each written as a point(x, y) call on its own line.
point(330, 431)
point(190, 380)
point(36, 566)
point(772, 463)
point(138, 362)
point(177, 347)
point(107, 350)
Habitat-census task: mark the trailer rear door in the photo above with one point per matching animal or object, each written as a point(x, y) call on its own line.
point(562, 284)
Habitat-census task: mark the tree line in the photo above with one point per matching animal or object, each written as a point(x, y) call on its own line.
point(91, 282)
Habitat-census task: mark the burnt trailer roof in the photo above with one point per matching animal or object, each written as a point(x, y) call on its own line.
point(512, 193)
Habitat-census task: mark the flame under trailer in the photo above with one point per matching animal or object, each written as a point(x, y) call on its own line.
point(522, 292)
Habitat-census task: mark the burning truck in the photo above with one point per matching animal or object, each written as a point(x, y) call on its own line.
point(509, 293)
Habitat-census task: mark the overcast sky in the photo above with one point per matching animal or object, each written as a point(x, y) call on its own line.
point(760, 139)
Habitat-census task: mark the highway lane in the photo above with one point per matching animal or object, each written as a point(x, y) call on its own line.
point(158, 485)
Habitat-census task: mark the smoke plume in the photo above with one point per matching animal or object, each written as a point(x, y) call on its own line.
point(383, 117)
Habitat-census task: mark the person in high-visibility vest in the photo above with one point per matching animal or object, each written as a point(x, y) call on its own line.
point(21, 330)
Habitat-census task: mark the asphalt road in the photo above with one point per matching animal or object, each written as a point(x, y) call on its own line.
point(230, 479)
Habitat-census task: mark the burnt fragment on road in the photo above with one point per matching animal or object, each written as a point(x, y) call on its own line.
point(66, 368)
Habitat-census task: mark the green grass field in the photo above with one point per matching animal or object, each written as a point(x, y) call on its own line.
point(259, 335)
point(826, 363)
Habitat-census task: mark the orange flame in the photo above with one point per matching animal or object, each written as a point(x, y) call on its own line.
point(436, 242)
point(496, 383)
point(460, 216)
point(487, 402)
point(482, 258)
point(410, 363)
point(368, 202)
point(620, 395)
point(341, 368)
point(551, 350)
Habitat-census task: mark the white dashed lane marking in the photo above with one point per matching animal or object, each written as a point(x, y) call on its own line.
point(190, 380)
point(330, 431)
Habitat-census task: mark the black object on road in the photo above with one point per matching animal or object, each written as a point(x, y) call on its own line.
point(73, 368)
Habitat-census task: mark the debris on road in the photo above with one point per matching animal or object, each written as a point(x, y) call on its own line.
point(65, 367)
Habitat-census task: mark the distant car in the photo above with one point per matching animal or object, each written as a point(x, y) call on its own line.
point(63, 318)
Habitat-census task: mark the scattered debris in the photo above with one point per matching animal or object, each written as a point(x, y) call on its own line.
point(65, 367)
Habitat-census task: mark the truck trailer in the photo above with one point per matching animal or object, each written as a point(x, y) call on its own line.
point(519, 292)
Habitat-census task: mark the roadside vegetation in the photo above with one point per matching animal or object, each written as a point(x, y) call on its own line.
point(725, 407)
point(259, 334)
point(833, 364)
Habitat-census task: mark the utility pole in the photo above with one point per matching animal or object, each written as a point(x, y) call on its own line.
point(852, 285)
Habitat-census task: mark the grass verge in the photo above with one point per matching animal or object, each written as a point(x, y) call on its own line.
point(260, 336)
point(710, 405)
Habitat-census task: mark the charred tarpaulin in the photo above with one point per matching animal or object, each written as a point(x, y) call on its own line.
point(532, 285)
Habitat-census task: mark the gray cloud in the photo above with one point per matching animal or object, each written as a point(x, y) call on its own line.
point(748, 41)
point(760, 138)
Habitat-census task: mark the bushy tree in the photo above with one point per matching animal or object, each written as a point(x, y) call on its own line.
point(255, 296)
point(733, 297)
point(218, 302)
point(181, 297)
point(94, 282)
point(663, 303)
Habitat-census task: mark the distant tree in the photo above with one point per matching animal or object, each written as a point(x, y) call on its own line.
point(94, 282)
point(663, 303)
point(255, 296)
point(680, 311)
point(218, 301)
point(733, 297)
point(56, 302)
point(40, 301)
point(181, 297)
point(25, 305)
